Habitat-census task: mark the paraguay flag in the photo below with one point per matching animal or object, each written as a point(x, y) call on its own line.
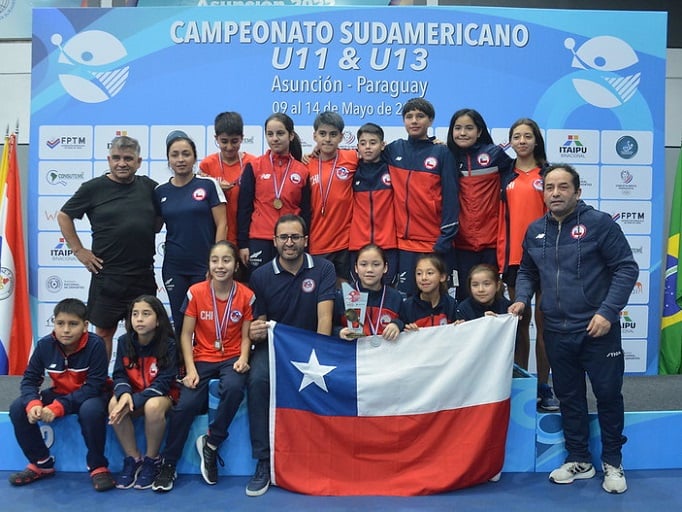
point(427, 413)
point(16, 340)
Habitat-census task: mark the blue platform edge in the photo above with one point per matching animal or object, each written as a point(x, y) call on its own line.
point(534, 441)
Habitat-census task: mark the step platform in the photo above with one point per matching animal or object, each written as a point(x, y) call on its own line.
point(534, 440)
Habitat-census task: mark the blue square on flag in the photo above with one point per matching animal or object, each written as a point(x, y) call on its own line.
point(321, 368)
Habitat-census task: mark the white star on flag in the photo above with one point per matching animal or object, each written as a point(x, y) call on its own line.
point(313, 372)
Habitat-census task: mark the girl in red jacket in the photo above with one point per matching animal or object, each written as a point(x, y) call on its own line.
point(144, 385)
point(480, 164)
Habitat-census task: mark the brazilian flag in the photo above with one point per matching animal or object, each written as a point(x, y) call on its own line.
point(670, 356)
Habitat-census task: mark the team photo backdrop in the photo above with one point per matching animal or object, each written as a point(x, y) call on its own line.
point(593, 80)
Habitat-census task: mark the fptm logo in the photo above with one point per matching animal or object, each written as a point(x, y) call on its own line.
point(92, 71)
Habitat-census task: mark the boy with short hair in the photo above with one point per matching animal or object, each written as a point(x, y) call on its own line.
point(77, 362)
point(425, 190)
point(331, 173)
point(227, 165)
point(373, 220)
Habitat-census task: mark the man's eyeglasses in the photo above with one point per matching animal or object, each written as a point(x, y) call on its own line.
point(294, 238)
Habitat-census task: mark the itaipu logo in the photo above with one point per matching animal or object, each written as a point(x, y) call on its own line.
point(91, 69)
point(602, 57)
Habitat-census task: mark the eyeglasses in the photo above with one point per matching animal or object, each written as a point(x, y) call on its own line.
point(294, 238)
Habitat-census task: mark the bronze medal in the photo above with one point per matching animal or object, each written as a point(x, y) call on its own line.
point(277, 203)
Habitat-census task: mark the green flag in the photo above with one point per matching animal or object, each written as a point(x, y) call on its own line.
point(670, 356)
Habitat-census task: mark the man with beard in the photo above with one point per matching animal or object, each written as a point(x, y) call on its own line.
point(296, 289)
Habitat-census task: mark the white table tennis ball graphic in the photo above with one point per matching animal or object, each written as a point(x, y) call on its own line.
point(90, 59)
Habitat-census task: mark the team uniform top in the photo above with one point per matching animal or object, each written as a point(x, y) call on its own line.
point(384, 306)
point(123, 222)
point(584, 266)
point(425, 194)
point(522, 203)
point(75, 378)
point(200, 307)
point(292, 299)
point(263, 180)
point(422, 313)
point(469, 309)
point(190, 229)
point(141, 376)
point(214, 166)
point(479, 170)
point(373, 216)
point(331, 201)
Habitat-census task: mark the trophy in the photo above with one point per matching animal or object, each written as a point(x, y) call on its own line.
point(355, 304)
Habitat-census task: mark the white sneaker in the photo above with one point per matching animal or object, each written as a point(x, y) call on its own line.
point(571, 471)
point(495, 478)
point(614, 479)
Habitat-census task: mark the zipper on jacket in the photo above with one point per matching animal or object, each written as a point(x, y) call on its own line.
point(407, 210)
point(556, 261)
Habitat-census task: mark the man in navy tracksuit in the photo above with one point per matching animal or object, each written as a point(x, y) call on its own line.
point(584, 267)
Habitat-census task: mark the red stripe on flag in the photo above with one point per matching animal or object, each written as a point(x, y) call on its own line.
point(390, 455)
point(20, 339)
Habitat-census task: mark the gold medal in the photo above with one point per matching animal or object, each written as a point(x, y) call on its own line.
point(277, 203)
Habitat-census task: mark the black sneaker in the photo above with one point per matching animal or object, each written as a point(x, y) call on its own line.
point(164, 481)
point(546, 399)
point(208, 456)
point(260, 482)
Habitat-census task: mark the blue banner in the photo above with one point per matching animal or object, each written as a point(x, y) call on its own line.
point(593, 80)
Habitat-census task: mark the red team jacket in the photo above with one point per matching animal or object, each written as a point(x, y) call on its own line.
point(213, 166)
point(331, 202)
point(257, 215)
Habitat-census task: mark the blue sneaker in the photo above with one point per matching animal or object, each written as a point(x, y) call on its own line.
point(128, 476)
point(546, 400)
point(148, 472)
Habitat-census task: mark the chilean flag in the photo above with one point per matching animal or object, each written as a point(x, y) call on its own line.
point(427, 413)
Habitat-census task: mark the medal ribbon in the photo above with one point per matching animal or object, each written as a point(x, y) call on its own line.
point(222, 173)
point(374, 326)
point(278, 188)
point(221, 327)
point(324, 195)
